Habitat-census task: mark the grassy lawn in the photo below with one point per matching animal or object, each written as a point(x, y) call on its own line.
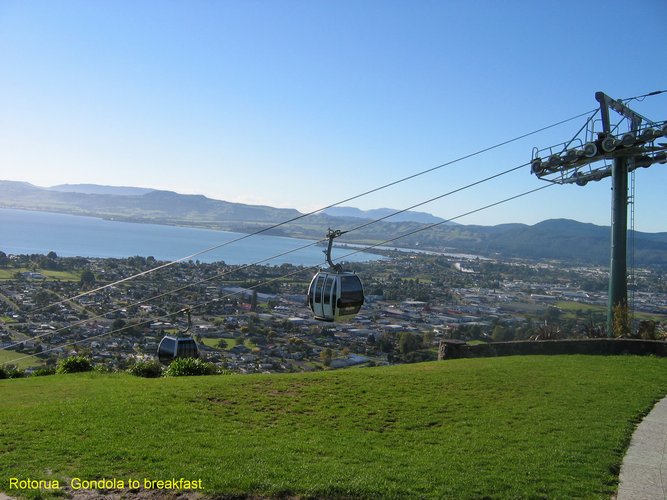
point(571, 308)
point(6, 274)
point(61, 275)
point(7, 356)
point(513, 427)
point(211, 342)
point(580, 306)
point(525, 307)
point(231, 342)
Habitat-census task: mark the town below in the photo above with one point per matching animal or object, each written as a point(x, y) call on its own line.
point(249, 319)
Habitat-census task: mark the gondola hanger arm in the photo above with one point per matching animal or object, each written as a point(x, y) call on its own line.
point(331, 234)
point(187, 311)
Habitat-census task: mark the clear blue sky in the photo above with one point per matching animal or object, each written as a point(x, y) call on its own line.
point(305, 103)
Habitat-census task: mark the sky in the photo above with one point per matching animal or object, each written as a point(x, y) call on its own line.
point(304, 104)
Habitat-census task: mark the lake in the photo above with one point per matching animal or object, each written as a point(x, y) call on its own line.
point(31, 232)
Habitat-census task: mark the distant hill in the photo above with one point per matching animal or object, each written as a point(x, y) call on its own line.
point(564, 239)
point(137, 204)
point(378, 213)
point(559, 239)
point(97, 189)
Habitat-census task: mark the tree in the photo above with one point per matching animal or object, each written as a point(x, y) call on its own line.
point(326, 356)
point(42, 298)
point(87, 279)
point(117, 324)
point(501, 333)
point(428, 338)
point(648, 330)
point(385, 343)
point(552, 315)
point(409, 342)
point(621, 321)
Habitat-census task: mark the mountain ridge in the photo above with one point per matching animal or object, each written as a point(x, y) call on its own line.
point(100, 189)
point(378, 213)
point(558, 239)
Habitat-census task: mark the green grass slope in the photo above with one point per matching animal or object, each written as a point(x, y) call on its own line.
point(514, 427)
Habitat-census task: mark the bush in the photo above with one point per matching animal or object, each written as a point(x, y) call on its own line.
point(183, 367)
point(41, 372)
point(420, 356)
point(11, 371)
point(14, 372)
point(74, 364)
point(148, 369)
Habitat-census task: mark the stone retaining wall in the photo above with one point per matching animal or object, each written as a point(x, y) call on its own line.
point(453, 350)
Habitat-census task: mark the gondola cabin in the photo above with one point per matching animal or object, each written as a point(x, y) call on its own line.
point(177, 346)
point(335, 296)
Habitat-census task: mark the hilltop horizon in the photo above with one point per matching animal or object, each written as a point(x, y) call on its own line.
point(335, 211)
point(561, 239)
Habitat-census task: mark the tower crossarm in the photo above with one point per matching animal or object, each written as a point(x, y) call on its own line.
point(607, 103)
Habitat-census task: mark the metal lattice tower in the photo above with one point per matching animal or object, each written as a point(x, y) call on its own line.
point(613, 151)
point(632, 277)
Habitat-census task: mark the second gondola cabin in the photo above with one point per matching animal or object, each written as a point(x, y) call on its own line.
point(180, 345)
point(335, 296)
point(177, 346)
